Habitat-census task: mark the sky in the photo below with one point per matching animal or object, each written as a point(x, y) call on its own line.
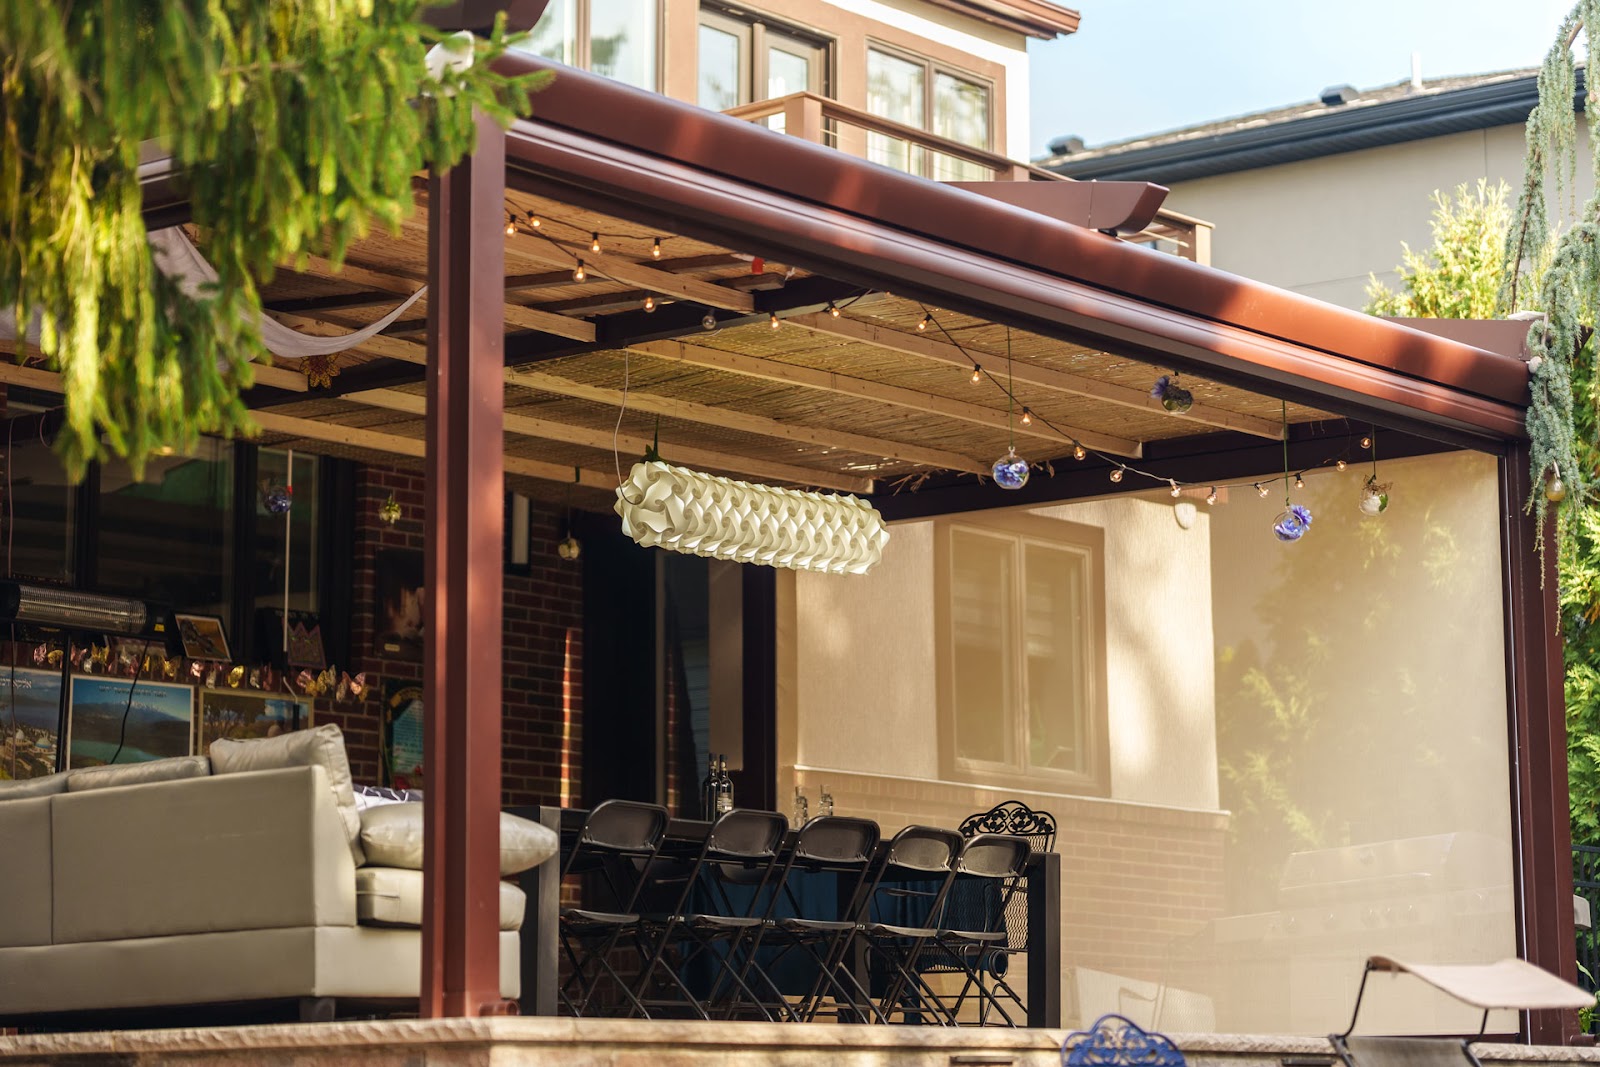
point(1141, 66)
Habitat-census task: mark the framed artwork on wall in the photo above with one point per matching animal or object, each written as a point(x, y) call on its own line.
point(402, 734)
point(30, 700)
point(241, 715)
point(203, 637)
point(120, 720)
point(398, 603)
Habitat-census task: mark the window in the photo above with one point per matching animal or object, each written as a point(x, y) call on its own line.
point(1022, 691)
point(742, 60)
point(616, 38)
point(915, 92)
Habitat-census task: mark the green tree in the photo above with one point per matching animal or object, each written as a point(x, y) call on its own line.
point(294, 123)
point(1459, 277)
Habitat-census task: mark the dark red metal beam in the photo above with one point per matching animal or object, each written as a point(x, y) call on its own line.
point(1538, 746)
point(461, 665)
point(838, 190)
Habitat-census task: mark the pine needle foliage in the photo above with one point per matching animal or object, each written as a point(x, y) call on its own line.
point(1564, 293)
point(295, 124)
point(1459, 276)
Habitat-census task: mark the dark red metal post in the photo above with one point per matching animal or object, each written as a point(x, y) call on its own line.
point(461, 666)
point(1534, 678)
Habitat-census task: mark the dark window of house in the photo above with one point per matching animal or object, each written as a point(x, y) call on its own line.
point(39, 506)
point(293, 557)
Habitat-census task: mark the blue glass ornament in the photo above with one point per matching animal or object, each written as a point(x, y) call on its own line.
point(1291, 525)
point(1011, 470)
point(279, 499)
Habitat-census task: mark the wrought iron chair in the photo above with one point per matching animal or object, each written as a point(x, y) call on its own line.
point(616, 848)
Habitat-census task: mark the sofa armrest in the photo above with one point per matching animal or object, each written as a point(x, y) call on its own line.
point(247, 851)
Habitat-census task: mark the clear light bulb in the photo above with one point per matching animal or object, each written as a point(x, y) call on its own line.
point(1211, 497)
point(594, 242)
point(655, 249)
point(577, 272)
point(1078, 451)
point(649, 302)
point(1175, 490)
point(833, 309)
point(772, 319)
point(1116, 474)
point(977, 374)
point(1027, 417)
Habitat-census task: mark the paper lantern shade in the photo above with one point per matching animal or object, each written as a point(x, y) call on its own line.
point(707, 515)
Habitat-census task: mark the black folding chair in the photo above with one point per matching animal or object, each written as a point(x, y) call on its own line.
point(615, 848)
point(830, 845)
point(900, 916)
point(990, 868)
point(724, 896)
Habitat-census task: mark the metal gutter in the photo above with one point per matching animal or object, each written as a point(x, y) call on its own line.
point(600, 143)
point(1346, 129)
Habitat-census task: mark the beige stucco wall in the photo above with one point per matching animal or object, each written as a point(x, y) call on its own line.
point(1320, 226)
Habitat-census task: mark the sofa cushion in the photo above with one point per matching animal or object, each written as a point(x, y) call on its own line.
point(24, 788)
point(322, 746)
point(161, 770)
point(391, 836)
point(25, 902)
point(390, 896)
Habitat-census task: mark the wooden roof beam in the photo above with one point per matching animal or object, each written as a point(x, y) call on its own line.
point(618, 269)
point(1027, 373)
point(544, 429)
point(710, 415)
point(893, 395)
point(397, 445)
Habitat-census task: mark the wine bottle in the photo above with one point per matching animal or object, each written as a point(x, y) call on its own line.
point(724, 786)
point(708, 788)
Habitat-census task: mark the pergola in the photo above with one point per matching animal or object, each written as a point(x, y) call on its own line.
point(816, 320)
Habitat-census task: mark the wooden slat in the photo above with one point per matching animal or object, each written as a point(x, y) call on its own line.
point(50, 381)
point(628, 272)
point(549, 322)
point(1045, 377)
point(544, 429)
point(279, 377)
point(710, 415)
point(395, 444)
point(828, 381)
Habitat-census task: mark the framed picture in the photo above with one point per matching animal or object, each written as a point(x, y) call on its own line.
point(32, 700)
point(203, 637)
point(402, 734)
point(305, 642)
point(239, 715)
point(119, 720)
point(399, 595)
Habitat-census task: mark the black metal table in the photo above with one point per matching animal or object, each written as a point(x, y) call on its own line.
point(541, 934)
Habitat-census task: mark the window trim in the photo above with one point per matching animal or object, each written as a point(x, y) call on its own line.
point(931, 69)
point(1096, 779)
point(756, 26)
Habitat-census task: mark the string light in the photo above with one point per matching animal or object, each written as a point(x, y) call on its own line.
point(977, 374)
point(1366, 442)
point(1027, 417)
point(577, 272)
point(923, 325)
point(594, 242)
point(1341, 464)
point(833, 309)
point(511, 224)
point(772, 319)
point(1078, 451)
point(1261, 490)
point(649, 302)
point(655, 249)
point(1299, 482)
point(533, 220)
point(1116, 474)
point(1211, 497)
point(1175, 490)
point(708, 321)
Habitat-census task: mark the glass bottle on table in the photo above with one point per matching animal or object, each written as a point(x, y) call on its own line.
point(824, 802)
point(724, 800)
point(708, 788)
point(802, 807)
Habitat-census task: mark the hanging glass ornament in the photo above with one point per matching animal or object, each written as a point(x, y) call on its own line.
point(389, 511)
point(1010, 470)
point(1555, 490)
point(1374, 496)
point(279, 499)
point(1174, 397)
point(569, 548)
point(1292, 523)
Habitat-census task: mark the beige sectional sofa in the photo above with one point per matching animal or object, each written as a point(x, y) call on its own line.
point(202, 889)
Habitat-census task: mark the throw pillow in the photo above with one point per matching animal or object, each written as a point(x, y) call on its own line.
point(161, 770)
point(43, 786)
point(323, 746)
point(391, 836)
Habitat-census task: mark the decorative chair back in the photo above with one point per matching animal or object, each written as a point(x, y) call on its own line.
point(1117, 1041)
point(1015, 819)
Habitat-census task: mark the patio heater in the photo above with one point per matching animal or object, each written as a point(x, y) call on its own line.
point(82, 614)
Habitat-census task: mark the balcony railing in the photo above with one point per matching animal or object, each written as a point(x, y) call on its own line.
point(824, 121)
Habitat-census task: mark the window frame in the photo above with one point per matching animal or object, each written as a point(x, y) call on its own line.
point(582, 54)
point(931, 69)
point(753, 29)
point(1015, 772)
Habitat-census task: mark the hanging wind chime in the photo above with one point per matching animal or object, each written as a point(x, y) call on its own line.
point(1294, 520)
point(1010, 470)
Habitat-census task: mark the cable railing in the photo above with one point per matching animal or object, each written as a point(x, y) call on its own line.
point(906, 148)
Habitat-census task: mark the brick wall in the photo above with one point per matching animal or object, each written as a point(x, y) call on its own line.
point(543, 628)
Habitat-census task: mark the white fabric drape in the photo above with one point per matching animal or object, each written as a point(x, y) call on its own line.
point(178, 258)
